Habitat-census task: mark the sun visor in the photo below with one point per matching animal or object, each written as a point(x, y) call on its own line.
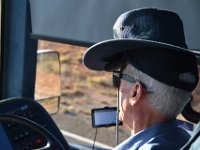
point(87, 22)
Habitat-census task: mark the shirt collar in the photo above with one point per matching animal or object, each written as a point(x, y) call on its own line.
point(143, 136)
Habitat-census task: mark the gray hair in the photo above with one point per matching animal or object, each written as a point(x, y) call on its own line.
point(167, 100)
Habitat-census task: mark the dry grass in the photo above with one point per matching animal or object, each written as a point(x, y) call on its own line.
point(82, 89)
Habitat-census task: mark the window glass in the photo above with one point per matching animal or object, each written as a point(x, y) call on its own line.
point(81, 90)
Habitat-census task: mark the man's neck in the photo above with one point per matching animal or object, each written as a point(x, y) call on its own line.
point(146, 121)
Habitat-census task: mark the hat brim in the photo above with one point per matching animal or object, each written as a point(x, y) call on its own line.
point(98, 55)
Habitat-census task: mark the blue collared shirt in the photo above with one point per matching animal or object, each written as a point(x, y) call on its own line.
point(163, 136)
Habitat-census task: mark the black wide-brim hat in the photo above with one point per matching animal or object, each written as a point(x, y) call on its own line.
point(152, 41)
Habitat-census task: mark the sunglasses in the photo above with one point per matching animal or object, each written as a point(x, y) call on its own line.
point(118, 76)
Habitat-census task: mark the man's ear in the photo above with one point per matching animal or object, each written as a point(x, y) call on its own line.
point(137, 92)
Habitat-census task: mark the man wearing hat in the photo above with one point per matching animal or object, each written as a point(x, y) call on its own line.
point(155, 74)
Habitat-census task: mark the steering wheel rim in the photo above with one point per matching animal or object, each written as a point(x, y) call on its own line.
point(51, 139)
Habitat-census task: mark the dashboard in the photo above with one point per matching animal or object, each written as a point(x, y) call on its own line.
point(19, 135)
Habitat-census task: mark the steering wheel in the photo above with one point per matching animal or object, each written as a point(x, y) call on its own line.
point(52, 141)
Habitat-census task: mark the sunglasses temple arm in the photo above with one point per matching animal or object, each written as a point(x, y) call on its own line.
point(117, 118)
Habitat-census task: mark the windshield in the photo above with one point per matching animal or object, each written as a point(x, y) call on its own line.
point(81, 91)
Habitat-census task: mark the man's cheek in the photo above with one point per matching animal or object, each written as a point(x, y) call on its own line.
point(121, 116)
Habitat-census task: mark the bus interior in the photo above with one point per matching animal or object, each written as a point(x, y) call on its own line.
point(47, 96)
